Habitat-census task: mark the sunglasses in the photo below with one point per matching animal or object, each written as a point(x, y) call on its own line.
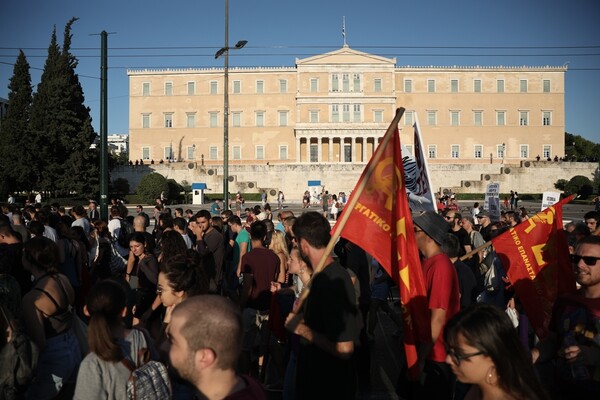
point(449, 218)
point(588, 260)
point(457, 357)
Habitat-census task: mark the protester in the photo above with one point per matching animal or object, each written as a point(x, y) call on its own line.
point(48, 318)
point(142, 275)
point(205, 334)
point(467, 283)
point(328, 321)
point(483, 349)
point(210, 247)
point(592, 220)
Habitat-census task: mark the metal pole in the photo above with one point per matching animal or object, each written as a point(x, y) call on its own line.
point(226, 113)
point(104, 128)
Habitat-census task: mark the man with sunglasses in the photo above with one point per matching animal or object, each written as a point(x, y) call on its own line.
point(454, 219)
point(574, 345)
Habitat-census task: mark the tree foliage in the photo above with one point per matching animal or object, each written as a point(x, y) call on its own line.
point(50, 131)
point(151, 186)
point(578, 148)
point(579, 184)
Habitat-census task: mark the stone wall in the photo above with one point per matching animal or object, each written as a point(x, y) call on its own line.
point(292, 179)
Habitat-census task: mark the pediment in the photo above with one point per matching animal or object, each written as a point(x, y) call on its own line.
point(345, 56)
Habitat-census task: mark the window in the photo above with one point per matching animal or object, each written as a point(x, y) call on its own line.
point(347, 152)
point(168, 120)
point(346, 112)
point(283, 152)
point(237, 153)
point(260, 152)
point(500, 148)
point(431, 86)
point(168, 88)
point(314, 153)
point(523, 118)
point(523, 85)
point(524, 150)
point(237, 87)
point(378, 116)
point(314, 85)
point(409, 118)
point(478, 151)
point(168, 152)
point(454, 151)
point(547, 151)
point(213, 153)
point(357, 82)
point(335, 113)
point(213, 117)
point(145, 153)
point(146, 89)
point(214, 87)
point(478, 118)
point(454, 85)
point(190, 152)
point(377, 85)
point(314, 116)
point(454, 118)
point(335, 83)
point(500, 85)
point(477, 85)
point(356, 113)
point(409, 148)
point(260, 87)
point(191, 120)
point(191, 88)
point(546, 85)
point(236, 118)
point(500, 118)
point(145, 121)
point(283, 118)
point(431, 151)
point(407, 85)
point(282, 86)
point(260, 118)
point(546, 118)
point(432, 117)
point(346, 82)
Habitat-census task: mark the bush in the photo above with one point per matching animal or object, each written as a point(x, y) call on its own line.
point(579, 184)
point(561, 184)
point(151, 186)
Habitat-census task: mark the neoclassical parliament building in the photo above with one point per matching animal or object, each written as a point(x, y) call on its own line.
point(333, 108)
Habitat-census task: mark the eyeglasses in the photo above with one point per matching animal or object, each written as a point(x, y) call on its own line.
point(588, 260)
point(457, 357)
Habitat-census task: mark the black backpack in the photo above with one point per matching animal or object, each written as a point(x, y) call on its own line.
point(124, 234)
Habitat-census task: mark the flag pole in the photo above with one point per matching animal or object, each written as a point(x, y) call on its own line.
point(354, 199)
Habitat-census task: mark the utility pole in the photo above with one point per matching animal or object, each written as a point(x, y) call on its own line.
point(104, 127)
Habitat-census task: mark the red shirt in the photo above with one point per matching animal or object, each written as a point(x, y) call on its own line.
point(441, 283)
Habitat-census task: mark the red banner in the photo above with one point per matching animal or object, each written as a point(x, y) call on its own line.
point(535, 255)
point(380, 222)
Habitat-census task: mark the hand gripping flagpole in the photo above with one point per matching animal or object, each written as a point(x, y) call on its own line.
point(354, 199)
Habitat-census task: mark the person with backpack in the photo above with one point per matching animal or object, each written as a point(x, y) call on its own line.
point(118, 356)
point(119, 230)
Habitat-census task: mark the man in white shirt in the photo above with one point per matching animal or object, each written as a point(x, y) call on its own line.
point(114, 227)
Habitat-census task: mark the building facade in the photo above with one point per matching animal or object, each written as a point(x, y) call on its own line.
point(334, 107)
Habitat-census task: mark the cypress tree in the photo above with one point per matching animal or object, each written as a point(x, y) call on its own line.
point(15, 154)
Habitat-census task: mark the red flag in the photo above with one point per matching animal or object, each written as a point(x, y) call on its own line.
point(380, 222)
point(535, 255)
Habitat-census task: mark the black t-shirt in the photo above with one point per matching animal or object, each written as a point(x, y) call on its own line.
point(466, 283)
point(463, 239)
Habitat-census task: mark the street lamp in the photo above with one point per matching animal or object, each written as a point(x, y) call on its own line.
point(225, 51)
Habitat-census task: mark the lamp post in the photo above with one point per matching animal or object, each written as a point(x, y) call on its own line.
point(503, 152)
point(225, 51)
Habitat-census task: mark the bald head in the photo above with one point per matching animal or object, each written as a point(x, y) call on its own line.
point(139, 223)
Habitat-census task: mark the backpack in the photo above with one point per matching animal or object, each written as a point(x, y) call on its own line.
point(150, 380)
point(124, 234)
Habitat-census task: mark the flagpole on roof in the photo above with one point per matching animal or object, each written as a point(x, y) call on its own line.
point(344, 30)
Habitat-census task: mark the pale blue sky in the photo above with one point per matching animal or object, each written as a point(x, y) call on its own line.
point(433, 32)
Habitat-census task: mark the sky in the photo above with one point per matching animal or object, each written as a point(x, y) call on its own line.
point(187, 33)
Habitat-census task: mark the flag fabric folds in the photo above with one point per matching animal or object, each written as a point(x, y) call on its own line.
point(380, 222)
point(416, 174)
point(535, 255)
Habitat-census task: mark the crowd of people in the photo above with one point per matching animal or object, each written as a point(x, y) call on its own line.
point(222, 305)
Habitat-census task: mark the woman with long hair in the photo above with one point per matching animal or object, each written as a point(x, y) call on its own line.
point(100, 265)
point(103, 374)
point(171, 244)
point(483, 350)
point(143, 275)
point(279, 246)
point(48, 318)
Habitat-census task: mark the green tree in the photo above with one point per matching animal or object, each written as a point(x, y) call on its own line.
point(61, 125)
point(579, 184)
point(16, 156)
point(174, 191)
point(151, 186)
point(580, 149)
point(561, 184)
